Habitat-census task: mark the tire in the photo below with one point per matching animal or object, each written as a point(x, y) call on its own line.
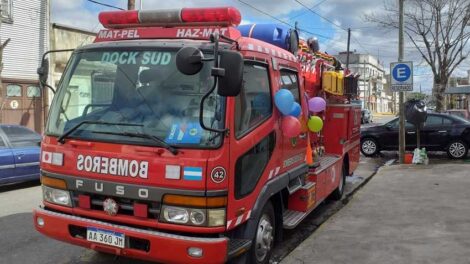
point(264, 237)
point(457, 149)
point(337, 194)
point(369, 147)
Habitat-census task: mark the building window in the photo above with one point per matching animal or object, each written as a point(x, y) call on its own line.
point(13, 90)
point(6, 7)
point(33, 91)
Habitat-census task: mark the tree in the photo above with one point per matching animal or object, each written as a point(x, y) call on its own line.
point(439, 29)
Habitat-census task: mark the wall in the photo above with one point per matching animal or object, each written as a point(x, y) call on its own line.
point(29, 39)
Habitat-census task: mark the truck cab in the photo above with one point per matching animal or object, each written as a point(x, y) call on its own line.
point(164, 142)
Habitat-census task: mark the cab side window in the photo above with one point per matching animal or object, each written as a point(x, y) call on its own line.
point(290, 82)
point(254, 103)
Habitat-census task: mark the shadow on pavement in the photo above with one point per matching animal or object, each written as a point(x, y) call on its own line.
point(16, 186)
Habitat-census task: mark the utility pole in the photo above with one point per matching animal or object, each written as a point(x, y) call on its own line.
point(401, 136)
point(366, 103)
point(130, 4)
point(349, 42)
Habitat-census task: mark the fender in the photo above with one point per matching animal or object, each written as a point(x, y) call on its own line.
point(269, 189)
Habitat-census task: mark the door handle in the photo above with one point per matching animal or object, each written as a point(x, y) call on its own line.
point(411, 132)
point(442, 131)
point(20, 154)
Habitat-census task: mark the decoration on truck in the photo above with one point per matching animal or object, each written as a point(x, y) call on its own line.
point(291, 110)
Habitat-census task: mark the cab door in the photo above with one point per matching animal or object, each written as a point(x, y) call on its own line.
point(254, 141)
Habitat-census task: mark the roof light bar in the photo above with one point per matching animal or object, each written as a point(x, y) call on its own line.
point(213, 16)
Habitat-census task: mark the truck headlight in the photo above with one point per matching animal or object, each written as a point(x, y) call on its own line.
point(175, 214)
point(197, 217)
point(194, 210)
point(56, 196)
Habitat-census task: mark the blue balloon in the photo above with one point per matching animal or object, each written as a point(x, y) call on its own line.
point(284, 101)
point(296, 110)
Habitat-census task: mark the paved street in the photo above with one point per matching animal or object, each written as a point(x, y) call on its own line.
point(405, 214)
point(25, 245)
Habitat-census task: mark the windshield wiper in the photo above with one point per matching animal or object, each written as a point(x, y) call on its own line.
point(161, 142)
point(61, 138)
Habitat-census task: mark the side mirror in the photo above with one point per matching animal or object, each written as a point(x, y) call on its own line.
point(231, 81)
point(43, 71)
point(189, 60)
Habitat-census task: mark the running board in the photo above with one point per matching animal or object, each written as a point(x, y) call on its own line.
point(292, 218)
point(237, 247)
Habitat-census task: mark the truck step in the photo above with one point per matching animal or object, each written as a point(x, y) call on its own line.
point(292, 218)
point(238, 246)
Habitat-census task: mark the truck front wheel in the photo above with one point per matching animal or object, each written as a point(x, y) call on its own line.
point(264, 238)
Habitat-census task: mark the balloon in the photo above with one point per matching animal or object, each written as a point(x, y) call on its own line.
point(315, 124)
point(316, 104)
point(296, 110)
point(290, 126)
point(284, 101)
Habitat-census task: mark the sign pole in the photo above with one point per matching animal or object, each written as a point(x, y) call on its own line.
point(401, 100)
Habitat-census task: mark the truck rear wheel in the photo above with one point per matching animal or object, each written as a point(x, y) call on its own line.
point(338, 192)
point(263, 240)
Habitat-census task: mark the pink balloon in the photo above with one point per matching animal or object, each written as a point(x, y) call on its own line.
point(290, 126)
point(316, 104)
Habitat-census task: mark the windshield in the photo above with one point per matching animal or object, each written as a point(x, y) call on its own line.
point(138, 87)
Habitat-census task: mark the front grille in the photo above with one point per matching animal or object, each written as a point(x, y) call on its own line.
point(126, 206)
point(131, 242)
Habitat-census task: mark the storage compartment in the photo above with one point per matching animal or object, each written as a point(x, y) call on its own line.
point(304, 198)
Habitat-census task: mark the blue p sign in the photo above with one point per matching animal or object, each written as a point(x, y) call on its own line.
point(401, 72)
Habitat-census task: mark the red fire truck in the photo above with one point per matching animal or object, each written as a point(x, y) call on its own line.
point(164, 141)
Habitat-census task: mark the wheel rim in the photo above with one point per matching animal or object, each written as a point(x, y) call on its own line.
point(457, 150)
point(264, 238)
point(369, 147)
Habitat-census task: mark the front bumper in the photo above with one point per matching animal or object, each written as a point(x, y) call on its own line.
point(160, 247)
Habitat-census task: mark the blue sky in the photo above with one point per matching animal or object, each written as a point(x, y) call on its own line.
point(366, 37)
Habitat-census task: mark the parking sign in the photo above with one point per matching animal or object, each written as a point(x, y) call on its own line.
point(401, 76)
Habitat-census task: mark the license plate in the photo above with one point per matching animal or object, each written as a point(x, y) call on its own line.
point(105, 237)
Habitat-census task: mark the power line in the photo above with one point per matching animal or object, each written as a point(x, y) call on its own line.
point(311, 10)
point(303, 13)
point(103, 4)
point(282, 21)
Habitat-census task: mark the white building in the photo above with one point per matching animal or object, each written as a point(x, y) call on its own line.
point(371, 80)
point(26, 24)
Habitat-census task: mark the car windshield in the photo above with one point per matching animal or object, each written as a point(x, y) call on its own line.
point(142, 88)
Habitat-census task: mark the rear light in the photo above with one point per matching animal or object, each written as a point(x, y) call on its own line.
point(228, 16)
point(214, 16)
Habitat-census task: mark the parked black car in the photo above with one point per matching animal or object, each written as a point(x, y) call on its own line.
point(441, 132)
point(366, 116)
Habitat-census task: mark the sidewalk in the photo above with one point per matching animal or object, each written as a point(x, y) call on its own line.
point(405, 214)
point(384, 114)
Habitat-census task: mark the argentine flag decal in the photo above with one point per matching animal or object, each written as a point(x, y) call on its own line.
point(192, 173)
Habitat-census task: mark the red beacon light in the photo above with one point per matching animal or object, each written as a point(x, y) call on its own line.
point(211, 16)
